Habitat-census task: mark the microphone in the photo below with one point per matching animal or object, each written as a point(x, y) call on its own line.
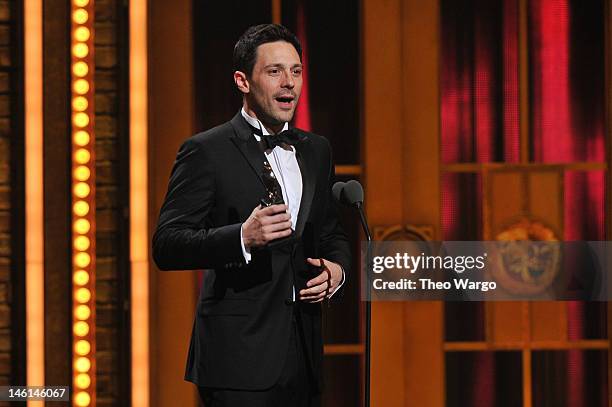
point(351, 194)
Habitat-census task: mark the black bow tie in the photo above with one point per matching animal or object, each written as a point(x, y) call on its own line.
point(289, 136)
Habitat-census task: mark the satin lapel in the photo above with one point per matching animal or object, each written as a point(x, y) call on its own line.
point(305, 159)
point(248, 146)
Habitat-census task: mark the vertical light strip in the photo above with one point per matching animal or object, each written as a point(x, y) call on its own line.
point(83, 204)
point(139, 236)
point(35, 343)
point(276, 11)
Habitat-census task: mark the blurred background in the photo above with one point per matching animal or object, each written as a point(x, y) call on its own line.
point(464, 120)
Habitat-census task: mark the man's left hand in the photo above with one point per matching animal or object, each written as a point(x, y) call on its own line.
point(323, 285)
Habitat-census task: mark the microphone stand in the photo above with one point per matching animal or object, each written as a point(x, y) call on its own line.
point(368, 305)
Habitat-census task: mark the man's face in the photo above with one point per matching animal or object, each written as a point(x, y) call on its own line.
point(274, 86)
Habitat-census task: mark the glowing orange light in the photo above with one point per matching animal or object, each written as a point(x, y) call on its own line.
point(80, 50)
point(82, 312)
point(81, 243)
point(81, 277)
point(82, 259)
point(80, 208)
point(81, 34)
point(82, 156)
point(81, 173)
point(81, 86)
point(82, 295)
point(80, 16)
point(81, 119)
point(82, 347)
point(81, 138)
point(82, 190)
point(80, 68)
point(82, 399)
point(82, 226)
point(82, 380)
point(79, 103)
point(81, 328)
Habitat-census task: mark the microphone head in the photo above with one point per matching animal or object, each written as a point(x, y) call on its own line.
point(353, 193)
point(337, 190)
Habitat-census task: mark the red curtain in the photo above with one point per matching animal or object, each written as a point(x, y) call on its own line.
point(480, 123)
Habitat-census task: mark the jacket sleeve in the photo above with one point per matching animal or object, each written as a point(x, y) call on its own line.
point(333, 241)
point(185, 238)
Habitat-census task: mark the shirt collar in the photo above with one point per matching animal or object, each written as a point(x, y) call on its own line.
point(258, 124)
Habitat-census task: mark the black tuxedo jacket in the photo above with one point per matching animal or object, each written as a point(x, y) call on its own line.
point(243, 321)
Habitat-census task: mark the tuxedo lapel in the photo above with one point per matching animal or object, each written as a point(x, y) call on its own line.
point(305, 159)
point(248, 146)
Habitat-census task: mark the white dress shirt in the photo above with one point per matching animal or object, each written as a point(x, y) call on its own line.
point(287, 172)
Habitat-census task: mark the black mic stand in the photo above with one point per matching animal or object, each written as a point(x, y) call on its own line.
point(368, 305)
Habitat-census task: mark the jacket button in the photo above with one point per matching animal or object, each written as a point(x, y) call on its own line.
point(289, 301)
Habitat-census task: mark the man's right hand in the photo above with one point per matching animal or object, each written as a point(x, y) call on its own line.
point(266, 224)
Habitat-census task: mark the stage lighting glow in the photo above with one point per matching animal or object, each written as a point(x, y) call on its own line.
point(81, 328)
point(82, 364)
point(81, 119)
point(80, 208)
point(82, 190)
point(82, 259)
point(82, 295)
point(82, 312)
point(79, 103)
point(82, 156)
point(82, 381)
point(80, 16)
point(82, 347)
point(80, 50)
point(81, 138)
point(82, 399)
point(81, 86)
point(80, 69)
point(82, 226)
point(81, 277)
point(81, 173)
point(81, 34)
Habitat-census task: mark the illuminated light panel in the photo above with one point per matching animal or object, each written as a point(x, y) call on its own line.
point(82, 399)
point(82, 364)
point(81, 277)
point(82, 226)
point(82, 381)
point(83, 208)
point(82, 347)
point(81, 328)
point(81, 138)
point(82, 295)
point(82, 259)
point(80, 119)
point(80, 50)
point(79, 103)
point(81, 173)
point(80, 208)
point(80, 69)
point(80, 16)
point(139, 237)
point(32, 18)
point(81, 86)
point(81, 34)
point(82, 190)
point(82, 156)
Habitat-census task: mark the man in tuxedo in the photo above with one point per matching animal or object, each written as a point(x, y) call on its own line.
point(250, 202)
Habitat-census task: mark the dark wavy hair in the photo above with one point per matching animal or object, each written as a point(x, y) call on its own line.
point(245, 50)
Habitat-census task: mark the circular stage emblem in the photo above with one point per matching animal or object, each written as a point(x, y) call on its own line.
point(526, 258)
